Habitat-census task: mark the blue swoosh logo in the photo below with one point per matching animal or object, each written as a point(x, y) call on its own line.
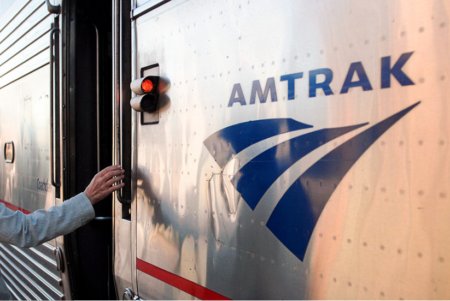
point(296, 214)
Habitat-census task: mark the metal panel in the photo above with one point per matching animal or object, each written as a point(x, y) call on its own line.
point(34, 49)
point(31, 37)
point(20, 19)
point(26, 68)
point(47, 283)
point(382, 229)
point(34, 19)
point(24, 114)
point(12, 12)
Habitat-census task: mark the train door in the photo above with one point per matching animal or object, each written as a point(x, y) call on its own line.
point(86, 139)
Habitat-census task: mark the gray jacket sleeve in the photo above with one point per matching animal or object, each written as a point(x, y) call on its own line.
point(42, 225)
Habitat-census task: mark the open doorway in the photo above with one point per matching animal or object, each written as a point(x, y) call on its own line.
point(87, 131)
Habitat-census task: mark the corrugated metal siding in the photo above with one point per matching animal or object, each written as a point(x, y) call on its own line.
point(30, 274)
point(23, 40)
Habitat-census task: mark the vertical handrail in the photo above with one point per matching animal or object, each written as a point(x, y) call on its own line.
point(97, 70)
point(118, 90)
point(52, 32)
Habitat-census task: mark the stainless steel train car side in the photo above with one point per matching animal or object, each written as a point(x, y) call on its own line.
point(51, 114)
point(25, 182)
point(299, 150)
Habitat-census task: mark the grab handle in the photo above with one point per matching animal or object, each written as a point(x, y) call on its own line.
point(97, 83)
point(55, 63)
point(53, 9)
point(122, 122)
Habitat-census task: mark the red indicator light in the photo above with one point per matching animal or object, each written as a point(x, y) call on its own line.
point(147, 86)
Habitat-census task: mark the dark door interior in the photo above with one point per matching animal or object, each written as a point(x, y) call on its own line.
point(87, 145)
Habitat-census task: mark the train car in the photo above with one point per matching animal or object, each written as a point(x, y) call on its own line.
point(273, 149)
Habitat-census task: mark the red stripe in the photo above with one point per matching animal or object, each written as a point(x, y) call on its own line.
point(14, 207)
point(185, 285)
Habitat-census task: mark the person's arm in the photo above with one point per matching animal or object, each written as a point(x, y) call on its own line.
point(42, 225)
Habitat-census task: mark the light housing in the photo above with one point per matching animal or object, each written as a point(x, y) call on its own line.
point(148, 84)
point(146, 89)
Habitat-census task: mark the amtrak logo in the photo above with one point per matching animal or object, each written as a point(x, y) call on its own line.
point(297, 212)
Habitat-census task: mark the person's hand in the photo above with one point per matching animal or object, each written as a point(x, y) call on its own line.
point(101, 185)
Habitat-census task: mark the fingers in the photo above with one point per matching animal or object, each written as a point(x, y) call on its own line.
point(108, 169)
point(114, 188)
point(113, 173)
point(114, 180)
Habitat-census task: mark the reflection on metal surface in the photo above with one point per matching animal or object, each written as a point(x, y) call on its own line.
point(224, 200)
